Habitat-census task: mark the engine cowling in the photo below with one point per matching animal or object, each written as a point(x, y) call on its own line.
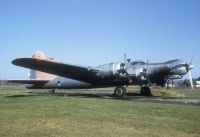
point(179, 71)
point(137, 72)
point(141, 74)
point(111, 69)
point(174, 77)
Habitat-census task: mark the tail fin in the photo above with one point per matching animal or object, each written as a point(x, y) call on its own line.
point(38, 75)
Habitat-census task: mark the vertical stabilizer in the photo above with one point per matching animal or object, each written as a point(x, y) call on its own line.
point(34, 74)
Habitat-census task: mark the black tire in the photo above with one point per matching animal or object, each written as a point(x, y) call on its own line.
point(52, 91)
point(145, 91)
point(120, 92)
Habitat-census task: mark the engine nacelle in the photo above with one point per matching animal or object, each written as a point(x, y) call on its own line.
point(138, 73)
point(110, 69)
point(174, 77)
point(141, 74)
point(179, 71)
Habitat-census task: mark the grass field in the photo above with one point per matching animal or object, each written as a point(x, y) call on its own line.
point(25, 114)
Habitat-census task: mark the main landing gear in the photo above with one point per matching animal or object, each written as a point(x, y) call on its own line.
point(52, 91)
point(145, 91)
point(121, 91)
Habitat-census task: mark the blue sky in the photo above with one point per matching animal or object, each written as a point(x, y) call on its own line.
point(94, 32)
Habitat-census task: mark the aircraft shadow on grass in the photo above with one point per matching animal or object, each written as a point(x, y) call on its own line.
point(130, 96)
point(19, 96)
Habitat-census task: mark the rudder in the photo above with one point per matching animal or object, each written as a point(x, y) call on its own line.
point(34, 74)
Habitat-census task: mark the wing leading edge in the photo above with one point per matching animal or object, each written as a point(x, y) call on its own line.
point(85, 74)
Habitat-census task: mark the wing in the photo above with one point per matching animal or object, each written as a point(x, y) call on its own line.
point(28, 81)
point(85, 74)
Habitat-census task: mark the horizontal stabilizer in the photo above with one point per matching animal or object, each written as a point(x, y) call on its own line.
point(28, 81)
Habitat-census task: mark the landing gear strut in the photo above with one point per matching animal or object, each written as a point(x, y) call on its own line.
point(145, 91)
point(120, 91)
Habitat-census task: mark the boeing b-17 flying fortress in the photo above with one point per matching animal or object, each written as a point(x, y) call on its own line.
point(100, 68)
point(51, 74)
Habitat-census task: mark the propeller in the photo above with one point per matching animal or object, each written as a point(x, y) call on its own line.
point(123, 69)
point(147, 70)
point(189, 68)
point(124, 58)
point(144, 74)
point(191, 59)
point(191, 80)
point(147, 75)
point(123, 72)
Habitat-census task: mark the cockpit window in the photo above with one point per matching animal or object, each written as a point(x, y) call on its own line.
point(177, 60)
point(171, 61)
point(138, 62)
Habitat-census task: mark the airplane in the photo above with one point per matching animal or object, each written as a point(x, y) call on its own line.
point(51, 74)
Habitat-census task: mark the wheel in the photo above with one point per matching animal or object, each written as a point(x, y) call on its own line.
point(52, 91)
point(145, 91)
point(120, 92)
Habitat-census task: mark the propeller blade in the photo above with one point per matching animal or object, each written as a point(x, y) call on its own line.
point(191, 59)
point(191, 80)
point(124, 58)
point(147, 65)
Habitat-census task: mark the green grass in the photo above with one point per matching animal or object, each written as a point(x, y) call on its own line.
point(27, 115)
point(195, 93)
